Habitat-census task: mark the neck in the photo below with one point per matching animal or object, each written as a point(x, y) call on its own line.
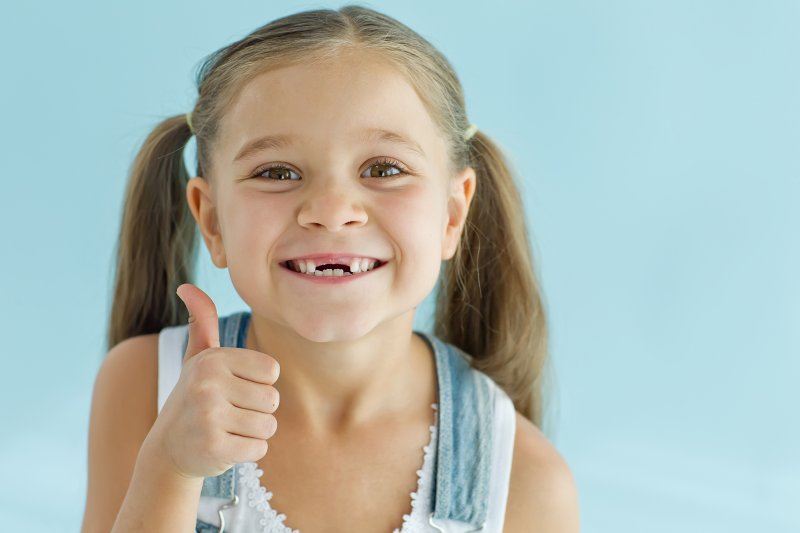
point(337, 387)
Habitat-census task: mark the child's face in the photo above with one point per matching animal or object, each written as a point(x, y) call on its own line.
point(339, 197)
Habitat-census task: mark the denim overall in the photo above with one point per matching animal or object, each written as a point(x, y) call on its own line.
point(464, 445)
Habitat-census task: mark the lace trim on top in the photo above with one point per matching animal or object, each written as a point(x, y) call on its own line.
point(421, 498)
point(258, 497)
point(272, 522)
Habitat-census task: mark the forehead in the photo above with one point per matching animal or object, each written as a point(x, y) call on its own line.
point(328, 105)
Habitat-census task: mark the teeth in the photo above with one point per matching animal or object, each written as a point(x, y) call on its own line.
point(309, 267)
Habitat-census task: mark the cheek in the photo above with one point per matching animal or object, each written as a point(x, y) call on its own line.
point(255, 222)
point(416, 222)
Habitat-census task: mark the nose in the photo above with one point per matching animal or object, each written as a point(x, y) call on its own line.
point(331, 208)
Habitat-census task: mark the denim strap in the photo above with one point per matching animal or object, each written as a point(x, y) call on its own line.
point(204, 527)
point(464, 450)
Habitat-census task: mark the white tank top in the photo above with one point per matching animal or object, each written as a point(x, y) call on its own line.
point(253, 513)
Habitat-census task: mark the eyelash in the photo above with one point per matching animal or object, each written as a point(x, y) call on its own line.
point(382, 161)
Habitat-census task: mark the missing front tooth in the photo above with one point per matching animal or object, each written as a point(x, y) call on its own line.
point(346, 268)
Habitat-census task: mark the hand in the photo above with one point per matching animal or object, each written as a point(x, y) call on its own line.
point(220, 411)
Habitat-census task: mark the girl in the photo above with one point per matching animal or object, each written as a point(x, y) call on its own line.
point(336, 172)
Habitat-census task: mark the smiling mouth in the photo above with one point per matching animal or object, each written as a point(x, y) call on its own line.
point(309, 268)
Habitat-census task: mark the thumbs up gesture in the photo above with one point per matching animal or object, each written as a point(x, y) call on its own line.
point(220, 411)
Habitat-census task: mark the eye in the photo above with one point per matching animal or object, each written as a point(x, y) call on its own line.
point(281, 172)
point(387, 163)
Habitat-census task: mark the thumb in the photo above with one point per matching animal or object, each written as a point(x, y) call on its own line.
point(203, 319)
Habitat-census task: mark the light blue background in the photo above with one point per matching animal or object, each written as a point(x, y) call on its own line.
point(657, 144)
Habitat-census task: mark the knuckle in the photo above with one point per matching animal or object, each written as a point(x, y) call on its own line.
point(208, 365)
point(274, 369)
point(273, 398)
point(271, 425)
point(204, 393)
point(261, 448)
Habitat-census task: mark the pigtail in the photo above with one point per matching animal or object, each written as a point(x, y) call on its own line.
point(157, 239)
point(489, 302)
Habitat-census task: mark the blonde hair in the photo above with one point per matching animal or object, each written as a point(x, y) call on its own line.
point(489, 302)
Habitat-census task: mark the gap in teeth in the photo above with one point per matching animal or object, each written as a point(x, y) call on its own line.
point(308, 267)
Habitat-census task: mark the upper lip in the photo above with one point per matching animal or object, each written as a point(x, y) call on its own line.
point(333, 258)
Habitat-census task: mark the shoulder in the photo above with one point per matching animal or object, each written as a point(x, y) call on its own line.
point(126, 387)
point(542, 492)
point(130, 371)
point(131, 354)
point(124, 408)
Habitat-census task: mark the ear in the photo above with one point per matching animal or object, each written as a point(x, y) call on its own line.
point(199, 197)
point(462, 189)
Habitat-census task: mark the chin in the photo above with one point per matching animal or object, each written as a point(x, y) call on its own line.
point(333, 330)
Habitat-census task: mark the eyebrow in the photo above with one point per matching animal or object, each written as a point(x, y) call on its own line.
point(273, 142)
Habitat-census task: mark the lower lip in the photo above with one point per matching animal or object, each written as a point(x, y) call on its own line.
point(331, 280)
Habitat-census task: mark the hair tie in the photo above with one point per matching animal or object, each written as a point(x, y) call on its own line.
point(470, 132)
point(189, 121)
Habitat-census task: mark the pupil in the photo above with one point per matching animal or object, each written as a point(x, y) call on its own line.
point(382, 173)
